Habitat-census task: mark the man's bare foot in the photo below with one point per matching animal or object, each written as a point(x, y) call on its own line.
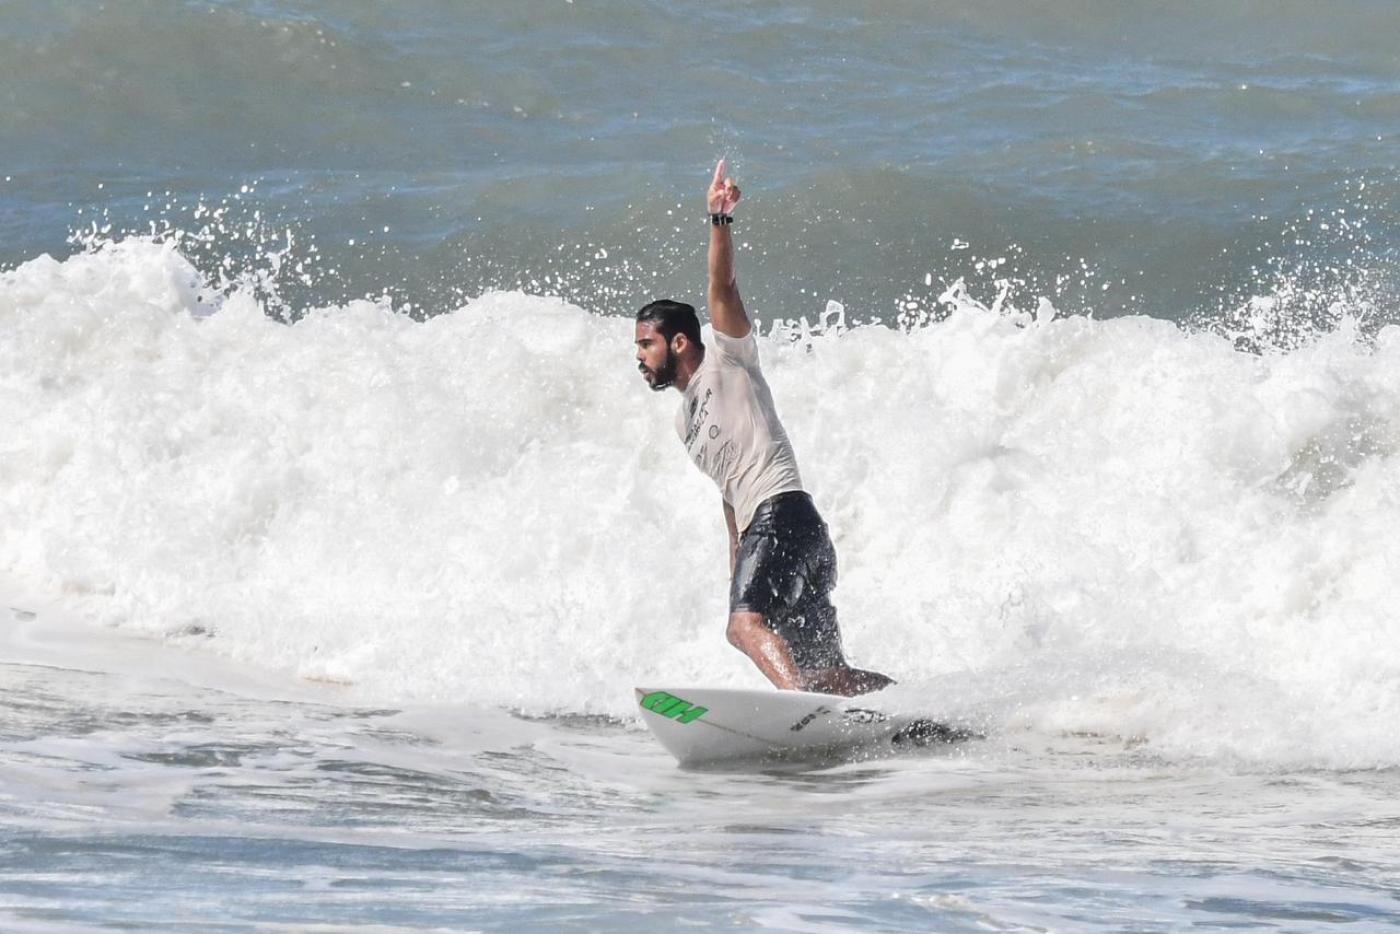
point(847, 682)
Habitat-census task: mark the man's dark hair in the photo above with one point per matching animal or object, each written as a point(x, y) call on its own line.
point(672, 318)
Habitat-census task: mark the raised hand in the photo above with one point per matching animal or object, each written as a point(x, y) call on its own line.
point(723, 193)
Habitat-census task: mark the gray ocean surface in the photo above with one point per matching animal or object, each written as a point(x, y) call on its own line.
point(361, 691)
point(148, 790)
point(1162, 159)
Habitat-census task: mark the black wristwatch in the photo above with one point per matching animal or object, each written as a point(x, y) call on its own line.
point(719, 220)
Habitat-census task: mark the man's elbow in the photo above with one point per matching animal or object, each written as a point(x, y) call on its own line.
point(723, 293)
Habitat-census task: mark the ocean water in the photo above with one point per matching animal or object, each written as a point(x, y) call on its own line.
point(147, 787)
point(336, 525)
point(1165, 160)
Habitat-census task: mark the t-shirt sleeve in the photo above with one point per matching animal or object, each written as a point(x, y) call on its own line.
point(742, 351)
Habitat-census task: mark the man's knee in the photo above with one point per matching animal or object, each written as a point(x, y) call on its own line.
point(741, 628)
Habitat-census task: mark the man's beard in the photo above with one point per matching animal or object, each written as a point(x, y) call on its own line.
point(665, 375)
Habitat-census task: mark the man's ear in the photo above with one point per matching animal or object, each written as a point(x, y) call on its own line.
point(679, 343)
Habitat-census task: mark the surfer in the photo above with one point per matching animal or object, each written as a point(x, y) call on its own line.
point(781, 560)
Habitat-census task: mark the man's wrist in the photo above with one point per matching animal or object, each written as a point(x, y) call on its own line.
point(720, 219)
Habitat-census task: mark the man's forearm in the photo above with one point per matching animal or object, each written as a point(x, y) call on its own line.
point(727, 312)
point(722, 281)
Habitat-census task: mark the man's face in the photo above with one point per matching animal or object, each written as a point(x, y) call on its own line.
point(654, 357)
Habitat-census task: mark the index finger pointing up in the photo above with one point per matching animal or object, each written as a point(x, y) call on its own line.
point(719, 173)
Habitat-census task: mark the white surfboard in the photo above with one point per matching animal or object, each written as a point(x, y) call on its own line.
point(714, 726)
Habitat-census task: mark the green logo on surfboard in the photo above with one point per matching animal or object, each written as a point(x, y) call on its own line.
point(668, 705)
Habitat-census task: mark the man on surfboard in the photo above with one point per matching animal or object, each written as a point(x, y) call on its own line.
point(782, 563)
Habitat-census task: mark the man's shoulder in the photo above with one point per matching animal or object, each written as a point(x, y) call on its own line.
point(741, 351)
point(750, 335)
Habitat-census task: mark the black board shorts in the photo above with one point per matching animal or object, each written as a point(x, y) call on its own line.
point(785, 569)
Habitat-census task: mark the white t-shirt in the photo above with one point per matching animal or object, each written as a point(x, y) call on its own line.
point(731, 430)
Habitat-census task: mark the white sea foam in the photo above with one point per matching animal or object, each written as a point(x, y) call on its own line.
point(1051, 523)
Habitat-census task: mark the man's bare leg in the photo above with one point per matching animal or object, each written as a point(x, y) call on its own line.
point(749, 634)
point(769, 651)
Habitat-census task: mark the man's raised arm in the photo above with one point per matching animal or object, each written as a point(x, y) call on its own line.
point(727, 313)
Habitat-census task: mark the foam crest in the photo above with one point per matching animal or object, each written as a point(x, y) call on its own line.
point(1050, 523)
